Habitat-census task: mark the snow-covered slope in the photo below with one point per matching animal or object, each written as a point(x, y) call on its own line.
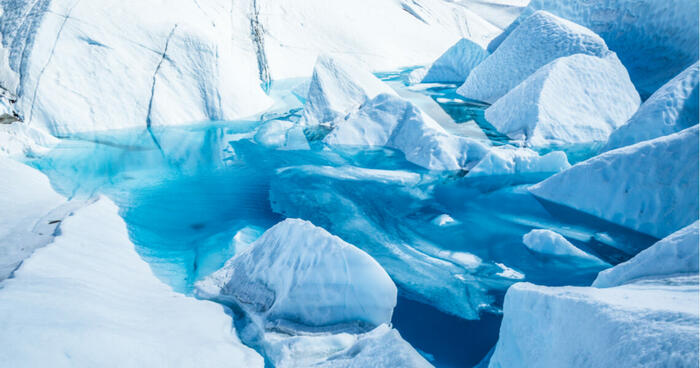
point(673, 255)
point(298, 276)
point(672, 108)
point(573, 100)
point(540, 39)
point(456, 63)
point(88, 300)
point(651, 187)
point(643, 324)
point(550, 243)
point(655, 39)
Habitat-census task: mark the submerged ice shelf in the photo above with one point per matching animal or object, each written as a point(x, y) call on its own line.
point(192, 200)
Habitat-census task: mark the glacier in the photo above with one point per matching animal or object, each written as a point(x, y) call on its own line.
point(456, 63)
point(670, 109)
point(539, 39)
point(551, 243)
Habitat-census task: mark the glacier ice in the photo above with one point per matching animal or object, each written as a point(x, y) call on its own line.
point(282, 134)
point(651, 187)
point(656, 40)
point(673, 255)
point(88, 299)
point(573, 100)
point(672, 108)
point(649, 324)
point(338, 87)
point(551, 243)
point(506, 160)
point(456, 63)
point(538, 40)
point(20, 140)
point(298, 276)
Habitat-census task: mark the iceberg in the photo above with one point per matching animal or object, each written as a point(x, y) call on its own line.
point(673, 255)
point(456, 63)
point(510, 161)
point(283, 135)
point(538, 40)
point(672, 108)
point(548, 242)
point(391, 121)
point(88, 299)
point(638, 30)
point(338, 87)
point(298, 276)
point(573, 100)
point(650, 187)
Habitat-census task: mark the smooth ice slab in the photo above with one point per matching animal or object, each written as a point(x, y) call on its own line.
point(672, 108)
point(651, 187)
point(548, 242)
point(573, 100)
point(456, 63)
point(513, 161)
point(299, 277)
point(673, 255)
point(88, 300)
point(538, 40)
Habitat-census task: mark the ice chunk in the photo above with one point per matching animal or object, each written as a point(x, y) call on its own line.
point(644, 324)
point(674, 254)
point(550, 243)
point(298, 276)
point(538, 40)
point(282, 134)
point(651, 187)
point(393, 122)
point(21, 140)
point(416, 76)
point(639, 31)
point(456, 63)
point(672, 108)
point(88, 299)
point(509, 161)
point(579, 99)
point(338, 87)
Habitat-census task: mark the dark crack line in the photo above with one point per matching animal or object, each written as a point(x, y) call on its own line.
point(257, 32)
point(153, 88)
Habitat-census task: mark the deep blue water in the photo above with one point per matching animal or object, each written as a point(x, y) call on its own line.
point(186, 191)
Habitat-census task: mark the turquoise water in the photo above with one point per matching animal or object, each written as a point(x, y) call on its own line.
point(185, 192)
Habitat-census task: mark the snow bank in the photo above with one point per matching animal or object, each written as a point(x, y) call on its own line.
point(509, 161)
point(298, 276)
point(674, 254)
point(672, 108)
point(393, 122)
point(338, 87)
point(550, 243)
point(651, 187)
point(88, 299)
point(644, 324)
point(538, 40)
point(655, 40)
point(456, 63)
point(578, 99)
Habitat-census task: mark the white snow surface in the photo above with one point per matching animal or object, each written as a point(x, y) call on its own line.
point(456, 63)
point(338, 87)
point(651, 187)
point(672, 108)
point(551, 243)
point(20, 140)
point(88, 299)
point(509, 161)
point(538, 40)
point(577, 99)
point(655, 39)
point(643, 324)
point(297, 276)
point(672, 255)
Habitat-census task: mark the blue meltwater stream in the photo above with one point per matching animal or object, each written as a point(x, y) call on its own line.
point(192, 195)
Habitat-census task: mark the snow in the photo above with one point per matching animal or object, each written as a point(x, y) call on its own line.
point(21, 140)
point(298, 276)
point(673, 255)
point(643, 324)
point(88, 299)
point(538, 40)
point(456, 63)
point(393, 122)
point(550, 243)
point(511, 161)
point(283, 135)
point(655, 40)
point(672, 108)
point(650, 187)
point(338, 87)
point(578, 99)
